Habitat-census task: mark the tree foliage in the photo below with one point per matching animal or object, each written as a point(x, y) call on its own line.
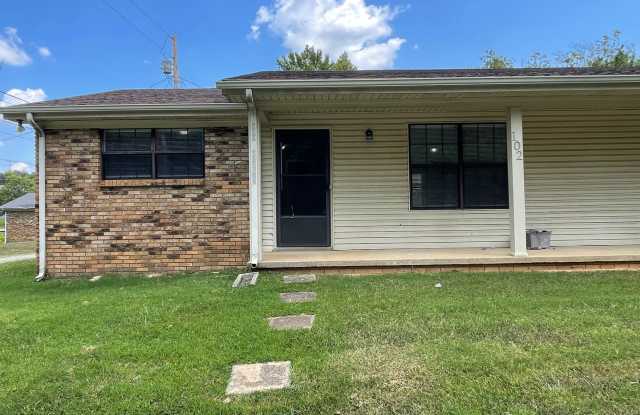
point(538, 60)
point(491, 60)
point(311, 59)
point(610, 51)
point(15, 185)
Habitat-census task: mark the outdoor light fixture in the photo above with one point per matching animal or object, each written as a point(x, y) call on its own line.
point(20, 127)
point(368, 135)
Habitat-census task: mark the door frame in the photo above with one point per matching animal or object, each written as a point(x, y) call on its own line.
point(276, 198)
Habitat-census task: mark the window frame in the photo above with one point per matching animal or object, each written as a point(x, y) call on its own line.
point(153, 153)
point(460, 166)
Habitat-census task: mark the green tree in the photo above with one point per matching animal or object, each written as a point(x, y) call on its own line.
point(491, 60)
point(311, 59)
point(15, 185)
point(609, 51)
point(538, 60)
point(343, 63)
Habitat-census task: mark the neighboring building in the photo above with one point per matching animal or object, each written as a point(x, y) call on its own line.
point(360, 170)
point(19, 219)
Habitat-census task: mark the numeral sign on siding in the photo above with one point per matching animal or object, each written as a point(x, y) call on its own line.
point(517, 145)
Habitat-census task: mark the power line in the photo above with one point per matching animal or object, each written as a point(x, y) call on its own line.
point(191, 82)
point(13, 136)
point(151, 19)
point(4, 140)
point(16, 161)
point(13, 123)
point(126, 19)
point(164, 46)
point(163, 80)
point(13, 96)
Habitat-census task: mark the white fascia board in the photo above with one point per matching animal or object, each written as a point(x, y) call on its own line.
point(430, 82)
point(135, 109)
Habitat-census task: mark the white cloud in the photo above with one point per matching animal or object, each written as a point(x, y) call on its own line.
point(20, 167)
point(22, 95)
point(44, 51)
point(334, 26)
point(11, 51)
point(263, 16)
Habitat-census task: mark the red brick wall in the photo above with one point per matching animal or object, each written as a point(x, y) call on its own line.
point(21, 226)
point(96, 226)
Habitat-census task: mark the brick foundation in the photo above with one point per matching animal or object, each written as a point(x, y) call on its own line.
point(97, 226)
point(21, 226)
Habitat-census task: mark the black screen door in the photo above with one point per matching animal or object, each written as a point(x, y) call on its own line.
point(303, 188)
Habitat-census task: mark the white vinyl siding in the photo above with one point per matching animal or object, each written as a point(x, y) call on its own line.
point(268, 189)
point(370, 195)
point(582, 175)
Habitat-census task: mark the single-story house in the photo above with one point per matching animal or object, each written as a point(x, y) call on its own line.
point(356, 170)
point(19, 219)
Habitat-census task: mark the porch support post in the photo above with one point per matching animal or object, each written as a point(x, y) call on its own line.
point(515, 155)
point(255, 205)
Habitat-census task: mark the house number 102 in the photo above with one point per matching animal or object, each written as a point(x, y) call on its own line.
point(517, 146)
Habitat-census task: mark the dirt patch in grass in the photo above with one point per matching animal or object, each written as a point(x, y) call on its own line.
point(385, 379)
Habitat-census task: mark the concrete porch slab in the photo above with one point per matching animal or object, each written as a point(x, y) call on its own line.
point(445, 257)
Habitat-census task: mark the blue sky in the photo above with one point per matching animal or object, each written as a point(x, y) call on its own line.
point(91, 48)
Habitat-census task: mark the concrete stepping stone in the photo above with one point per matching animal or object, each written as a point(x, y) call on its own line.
point(244, 280)
point(299, 322)
point(259, 377)
point(301, 278)
point(298, 297)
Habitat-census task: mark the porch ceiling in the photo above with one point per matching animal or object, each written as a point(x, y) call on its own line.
point(459, 256)
point(403, 100)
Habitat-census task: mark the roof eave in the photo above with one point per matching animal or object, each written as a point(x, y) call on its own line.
point(506, 81)
point(19, 112)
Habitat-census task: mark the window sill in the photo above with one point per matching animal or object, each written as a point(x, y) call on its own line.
point(151, 182)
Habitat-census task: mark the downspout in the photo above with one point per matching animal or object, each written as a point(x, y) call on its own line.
point(255, 211)
point(42, 200)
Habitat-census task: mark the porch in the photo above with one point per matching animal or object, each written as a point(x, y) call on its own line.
point(555, 258)
point(572, 168)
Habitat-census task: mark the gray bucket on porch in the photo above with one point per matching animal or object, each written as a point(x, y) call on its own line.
point(538, 239)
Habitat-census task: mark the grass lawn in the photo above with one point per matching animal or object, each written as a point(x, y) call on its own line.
point(16, 248)
point(485, 343)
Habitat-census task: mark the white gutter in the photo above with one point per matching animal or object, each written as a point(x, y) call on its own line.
point(45, 109)
point(42, 200)
point(426, 82)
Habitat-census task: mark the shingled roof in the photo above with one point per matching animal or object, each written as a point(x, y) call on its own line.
point(24, 202)
point(430, 73)
point(140, 96)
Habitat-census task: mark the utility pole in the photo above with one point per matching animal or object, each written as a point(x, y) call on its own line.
point(176, 77)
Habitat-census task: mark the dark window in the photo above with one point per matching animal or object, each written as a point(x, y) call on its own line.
point(153, 153)
point(458, 166)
